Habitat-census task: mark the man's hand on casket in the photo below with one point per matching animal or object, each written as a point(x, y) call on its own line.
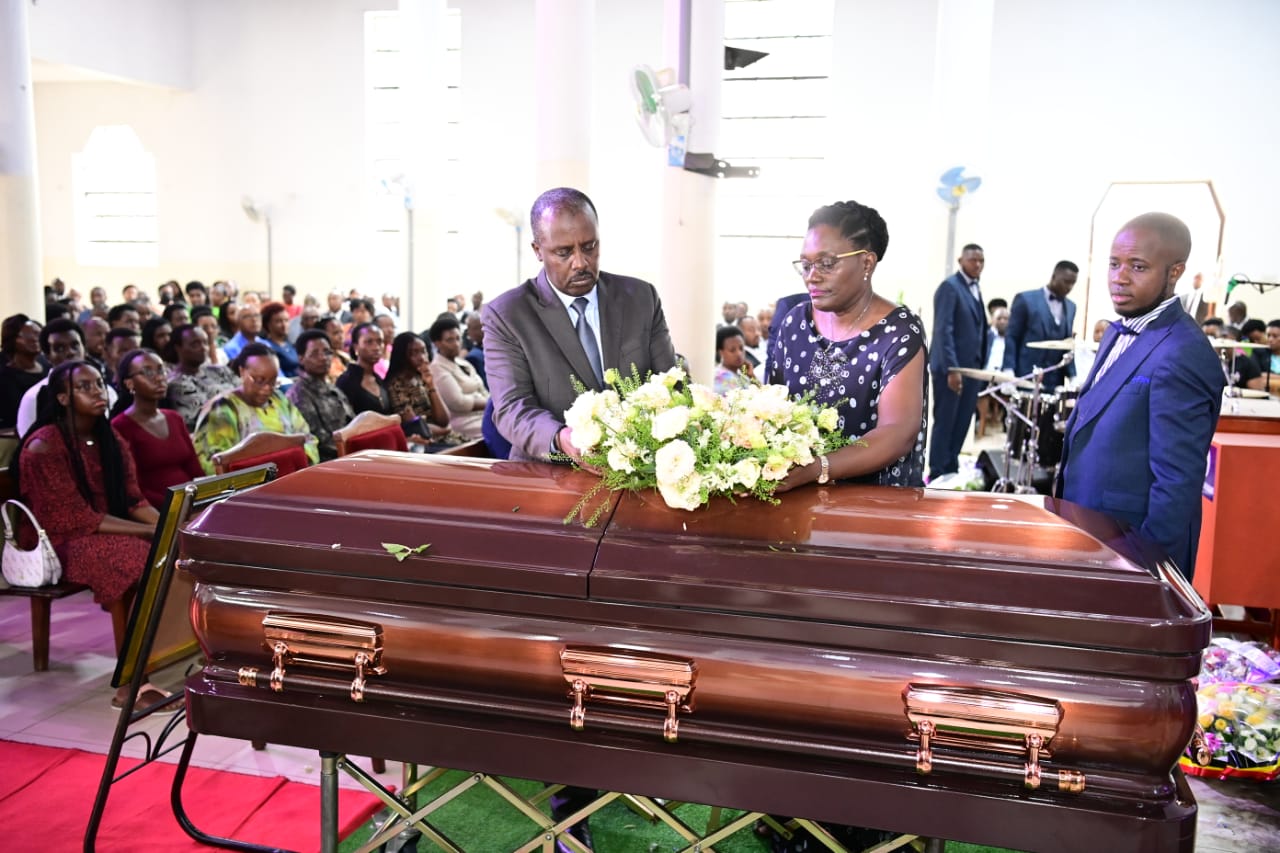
point(567, 447)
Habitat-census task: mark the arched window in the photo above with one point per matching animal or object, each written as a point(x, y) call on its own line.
point(114, 182)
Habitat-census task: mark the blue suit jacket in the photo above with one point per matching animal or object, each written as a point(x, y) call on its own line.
point(959, 328)
point(1031, 320)
point(1137, 441)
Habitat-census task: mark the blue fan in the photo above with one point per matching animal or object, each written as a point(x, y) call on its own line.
point(955, 186)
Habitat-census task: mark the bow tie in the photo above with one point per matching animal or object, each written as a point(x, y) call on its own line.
point(1120, 327)
point(1053, 297)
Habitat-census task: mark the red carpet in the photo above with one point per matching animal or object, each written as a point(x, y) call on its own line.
point(46, 795)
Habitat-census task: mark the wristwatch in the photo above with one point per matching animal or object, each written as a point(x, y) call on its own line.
point(824, 476)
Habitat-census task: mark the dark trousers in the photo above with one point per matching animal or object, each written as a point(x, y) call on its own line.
point(952, 416)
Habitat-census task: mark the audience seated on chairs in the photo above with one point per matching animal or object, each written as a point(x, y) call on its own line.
point(193, 382)
point(275, 334)
point(256, 406)
point(79, 479)
point(22, 365)
point(413, 393)
point(205, 317)
point(158, 438)
point(371, 431)
point(119, 341)
point(365, 388)
point(156, 334)
point(325, 407)
point(332, 327)
point(461, 388)
point(60, 341)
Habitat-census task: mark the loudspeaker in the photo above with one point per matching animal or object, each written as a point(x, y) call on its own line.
point(991, 464)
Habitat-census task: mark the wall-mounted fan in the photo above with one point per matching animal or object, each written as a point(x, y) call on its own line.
point(662, 104)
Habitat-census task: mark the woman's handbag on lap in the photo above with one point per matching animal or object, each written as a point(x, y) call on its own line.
point(37, 567)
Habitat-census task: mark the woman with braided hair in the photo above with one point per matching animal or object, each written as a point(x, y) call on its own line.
point(856, 351)
point(78, 477)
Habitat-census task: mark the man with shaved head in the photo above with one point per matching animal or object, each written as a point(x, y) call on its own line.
point(1136, 443)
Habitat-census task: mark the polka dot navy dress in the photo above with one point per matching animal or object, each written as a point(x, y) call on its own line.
point(850, 375)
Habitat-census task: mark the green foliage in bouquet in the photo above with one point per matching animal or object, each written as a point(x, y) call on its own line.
point(692, 444)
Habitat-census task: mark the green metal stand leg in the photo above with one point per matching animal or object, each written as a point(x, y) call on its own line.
point(329, 802)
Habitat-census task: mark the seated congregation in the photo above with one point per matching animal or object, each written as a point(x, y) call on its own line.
point(104, 409)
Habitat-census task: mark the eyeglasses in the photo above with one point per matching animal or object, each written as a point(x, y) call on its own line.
point(149, 372)
point(264, 382)
point(822, 265)
point(88, 386)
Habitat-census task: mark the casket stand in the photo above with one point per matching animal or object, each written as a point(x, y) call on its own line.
point(975, 667)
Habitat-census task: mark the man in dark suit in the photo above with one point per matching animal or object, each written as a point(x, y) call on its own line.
point(959, 340)
point(1043, 314)
point(1136, 443)
point(570, 321)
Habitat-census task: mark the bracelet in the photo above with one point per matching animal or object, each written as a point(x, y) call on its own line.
point(824, 475)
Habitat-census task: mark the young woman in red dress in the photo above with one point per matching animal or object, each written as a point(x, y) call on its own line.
point(158, 438)
point(78, 478)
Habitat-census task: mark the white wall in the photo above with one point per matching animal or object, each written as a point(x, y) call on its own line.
point(1081, 93)
point(146, 41)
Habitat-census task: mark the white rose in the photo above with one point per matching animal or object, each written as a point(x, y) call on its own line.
point(828, 419)
point(673, 462)
point(586, 436)
point(581, 410)
point(685, 494)
point(670, 423)
point(704, 399)
point(775, 468)
point(747, 472)
point(619, 461)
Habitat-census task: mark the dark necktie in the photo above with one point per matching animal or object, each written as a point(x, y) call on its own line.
point(1121, 328)
point(588, 339)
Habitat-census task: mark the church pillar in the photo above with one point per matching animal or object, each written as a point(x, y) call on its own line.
point(20, 272)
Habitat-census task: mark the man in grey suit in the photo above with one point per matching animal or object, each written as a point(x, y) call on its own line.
point(571, 320)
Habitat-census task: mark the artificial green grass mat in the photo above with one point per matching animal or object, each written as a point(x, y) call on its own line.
point(480, 821)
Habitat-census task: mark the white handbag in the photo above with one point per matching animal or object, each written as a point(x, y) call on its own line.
point(37, 567)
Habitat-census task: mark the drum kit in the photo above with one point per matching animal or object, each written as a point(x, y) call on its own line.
point(1037, 419)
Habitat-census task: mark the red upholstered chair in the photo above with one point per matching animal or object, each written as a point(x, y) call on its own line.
point(370, 431)
point(286, 450)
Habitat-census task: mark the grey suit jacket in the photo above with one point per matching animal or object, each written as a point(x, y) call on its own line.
point(531, 350)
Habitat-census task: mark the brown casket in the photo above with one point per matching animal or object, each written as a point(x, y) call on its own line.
point(980, 667)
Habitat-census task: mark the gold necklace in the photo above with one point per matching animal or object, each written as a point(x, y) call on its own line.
point(871, 296)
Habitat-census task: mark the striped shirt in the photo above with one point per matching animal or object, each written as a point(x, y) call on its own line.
point(1124, 341)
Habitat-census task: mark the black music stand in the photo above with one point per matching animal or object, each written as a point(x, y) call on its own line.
point(160, 614)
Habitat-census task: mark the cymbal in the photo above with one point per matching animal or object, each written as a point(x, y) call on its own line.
point(1065, 344)
point(996, 376)
point(1227, 343)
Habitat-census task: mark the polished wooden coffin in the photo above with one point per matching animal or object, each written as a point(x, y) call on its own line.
point(998, 669)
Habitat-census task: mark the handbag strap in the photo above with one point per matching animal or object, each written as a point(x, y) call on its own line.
point(9, 532)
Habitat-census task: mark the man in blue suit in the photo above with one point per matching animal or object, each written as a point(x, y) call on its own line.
point(959, 340)
point(1043, 314)
point(1136, 443)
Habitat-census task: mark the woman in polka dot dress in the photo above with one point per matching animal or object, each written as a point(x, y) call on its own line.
point(857, 351)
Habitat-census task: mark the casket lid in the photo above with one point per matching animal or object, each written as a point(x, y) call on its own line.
point(955, 563)
point(496, 527)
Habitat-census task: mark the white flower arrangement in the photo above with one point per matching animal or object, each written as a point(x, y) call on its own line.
point(692, 444)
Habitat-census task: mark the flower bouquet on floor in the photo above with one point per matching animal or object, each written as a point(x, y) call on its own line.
point(1241, 724)
point(692, 444)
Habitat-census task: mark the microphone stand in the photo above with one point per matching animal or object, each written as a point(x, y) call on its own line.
point(1021, 482)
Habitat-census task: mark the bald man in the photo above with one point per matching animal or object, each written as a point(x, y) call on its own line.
point(1136, 443)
